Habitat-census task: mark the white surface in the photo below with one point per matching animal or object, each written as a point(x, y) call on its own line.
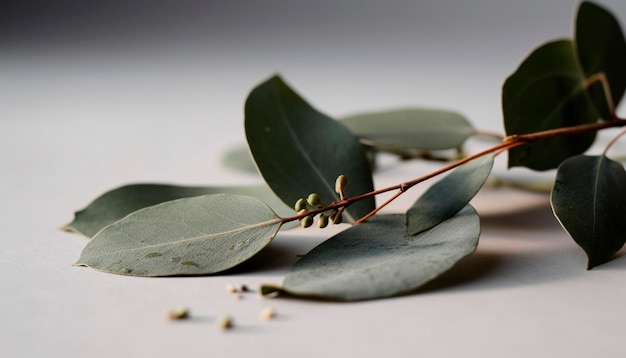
point(156, 95)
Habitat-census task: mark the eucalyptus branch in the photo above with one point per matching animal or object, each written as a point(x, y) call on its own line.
point(507, 143)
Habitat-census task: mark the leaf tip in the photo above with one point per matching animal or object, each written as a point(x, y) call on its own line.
point(270, 290)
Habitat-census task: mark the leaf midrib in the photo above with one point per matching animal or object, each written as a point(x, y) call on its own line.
point(297, 143)
point(190, 240)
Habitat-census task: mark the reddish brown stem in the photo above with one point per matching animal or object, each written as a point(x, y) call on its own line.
point(509, 142)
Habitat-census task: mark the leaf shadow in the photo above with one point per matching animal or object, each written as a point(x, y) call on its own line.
point(527, 247)
point(534, 218)
point(467, 271)
point(277, 256)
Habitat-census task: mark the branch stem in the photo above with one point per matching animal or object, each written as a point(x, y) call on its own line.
point(507, 143)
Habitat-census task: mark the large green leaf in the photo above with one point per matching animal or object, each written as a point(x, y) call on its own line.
point(449, 195)
point(417, 128)
point(190, 236)
point(299, 150)
point(547, 92)
point(117, 203)
point(589, 199)
point(601, 48)
point(379, 259)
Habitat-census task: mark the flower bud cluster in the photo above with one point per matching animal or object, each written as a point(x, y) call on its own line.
point(314, 202)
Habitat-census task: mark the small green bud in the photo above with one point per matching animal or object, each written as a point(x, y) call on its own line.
point(340, 184)
point(300, 204)
point(306, 221)
point(336, 217)
point(322, 222)
point(314, 199)
point(302, 212)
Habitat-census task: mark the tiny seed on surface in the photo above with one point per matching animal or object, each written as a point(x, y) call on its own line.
point(178, 313)
point(225, 323)
point(268, 313)
point(231, 288)
point(244, 288)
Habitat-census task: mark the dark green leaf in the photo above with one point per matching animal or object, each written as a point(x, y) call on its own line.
point(547, 92)
point(378, 259)
point(191, 236)
point(299, 150)
point(589, 199)
point(449, 195)
point(417, 128)
point(117, 203)
point(601, 48)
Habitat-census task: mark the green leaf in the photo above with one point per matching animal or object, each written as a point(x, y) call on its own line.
point(300, 151)
point(449, 195)
point(417, 128)
point(378, 259)
point(190, 236)
point(547, 92)
point(601, 47)
point(117, 203)
point(589, 200)
point(239, 158)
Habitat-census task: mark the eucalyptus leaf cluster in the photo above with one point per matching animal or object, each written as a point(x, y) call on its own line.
point(554, 103)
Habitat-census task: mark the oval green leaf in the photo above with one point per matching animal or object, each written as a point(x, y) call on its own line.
point(547, 92)
point(191, 236)
point(415, 128)
point(589, 200)
point(378, 259)
point(449, 195)
point(299, 150)
point(601, 48)
point(117, 203)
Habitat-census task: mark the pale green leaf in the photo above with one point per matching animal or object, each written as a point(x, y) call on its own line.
point(299, 150)
point(379, 259)
point(190, 236)
point(601, 49)
point(117, 203)
point(449, 195)
point(416, 128)
point(589, 199)
point(547, 92)
point(240, 158)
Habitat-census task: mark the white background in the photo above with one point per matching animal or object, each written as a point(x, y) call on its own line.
point(94, 95)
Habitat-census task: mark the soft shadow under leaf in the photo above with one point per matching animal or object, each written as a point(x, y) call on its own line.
point(378, 259)
point(589, 199)
point(117, 203)
point(191, 236)
point(449, 195)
